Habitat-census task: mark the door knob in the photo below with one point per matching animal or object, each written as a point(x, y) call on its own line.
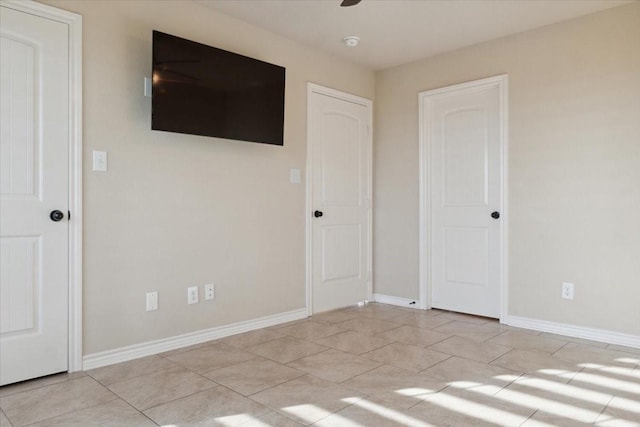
point(495, 215)
point(318, 214)
point(56, 215)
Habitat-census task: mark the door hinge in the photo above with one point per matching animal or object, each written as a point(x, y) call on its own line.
point(69, 214)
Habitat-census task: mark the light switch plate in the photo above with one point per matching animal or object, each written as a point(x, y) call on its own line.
point(294, 176)
point(152, 301)
point(99, 161)
point(192, 295)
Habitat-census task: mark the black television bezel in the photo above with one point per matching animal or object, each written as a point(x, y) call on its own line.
point(155, 126)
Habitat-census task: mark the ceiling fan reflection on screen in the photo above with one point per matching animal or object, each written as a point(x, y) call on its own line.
point(347, 3)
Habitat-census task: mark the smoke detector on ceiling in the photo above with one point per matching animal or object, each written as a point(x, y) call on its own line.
point(351, 41)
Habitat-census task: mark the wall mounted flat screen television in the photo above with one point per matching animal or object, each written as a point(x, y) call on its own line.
point(203, 90)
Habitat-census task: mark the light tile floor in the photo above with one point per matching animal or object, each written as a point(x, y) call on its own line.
point(377, 365)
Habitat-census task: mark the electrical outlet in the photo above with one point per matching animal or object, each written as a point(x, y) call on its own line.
point(192, 295)
point(152, 301)
point(567, 290)
point(209, 292)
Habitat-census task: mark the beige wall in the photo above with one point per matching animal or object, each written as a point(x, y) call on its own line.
point(574, 167)
point(177, 210)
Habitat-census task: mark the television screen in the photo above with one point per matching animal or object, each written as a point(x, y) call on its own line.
point(203, 90)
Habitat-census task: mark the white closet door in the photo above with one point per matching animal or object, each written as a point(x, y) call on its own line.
point(34, 140)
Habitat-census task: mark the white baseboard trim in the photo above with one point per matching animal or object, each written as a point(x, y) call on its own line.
point(593, 334)
point(399, 301)
point(110, 357)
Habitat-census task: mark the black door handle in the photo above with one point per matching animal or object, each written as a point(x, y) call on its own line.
point(495, 215)
point(56, 216)
point(318, 214)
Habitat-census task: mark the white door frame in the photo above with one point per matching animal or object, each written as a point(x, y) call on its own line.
point(425, 250)
point(74, 22)
point(315, 88)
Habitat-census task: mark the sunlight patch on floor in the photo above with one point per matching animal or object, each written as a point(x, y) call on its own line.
point(629, 360)
point(414, 391)
point(238, 419)
point(566, 390)
point(465, 384)
point(611, 383)
point(558, 373)
point(615, 422)
point(302, 412)
point(475, 410)
point(536, 423)
point(507, 378)
point(387, 413)
point(632, 406)
point(595, 379)
point(616, 370)
point(535, 402)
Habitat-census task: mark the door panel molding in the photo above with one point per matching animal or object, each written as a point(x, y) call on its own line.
point(424, 148)
point(74, 24)
point(318, 89)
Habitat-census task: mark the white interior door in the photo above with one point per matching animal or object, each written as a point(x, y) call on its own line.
point(34, 138)
point(339, 144)
point(463, 125)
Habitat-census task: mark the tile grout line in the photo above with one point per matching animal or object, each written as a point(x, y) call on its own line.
point(362, 373)
point(268, 408)
point(300, 358)
point(435, 364)
point(563, 346)
point(116, 397)
point(326, 348)
point(232, 364)
point(6, 417)
point(276, 385)
point(293, 379)
point(379, 348)
point(135, 376)
point(178, 365)
point(216, 385)
point(243, 348)
point(139, 411)
point(529, 417)
point(503, 354)
point(604, 409)
point(43, 385)
point(421, 400)
point(426, 347)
